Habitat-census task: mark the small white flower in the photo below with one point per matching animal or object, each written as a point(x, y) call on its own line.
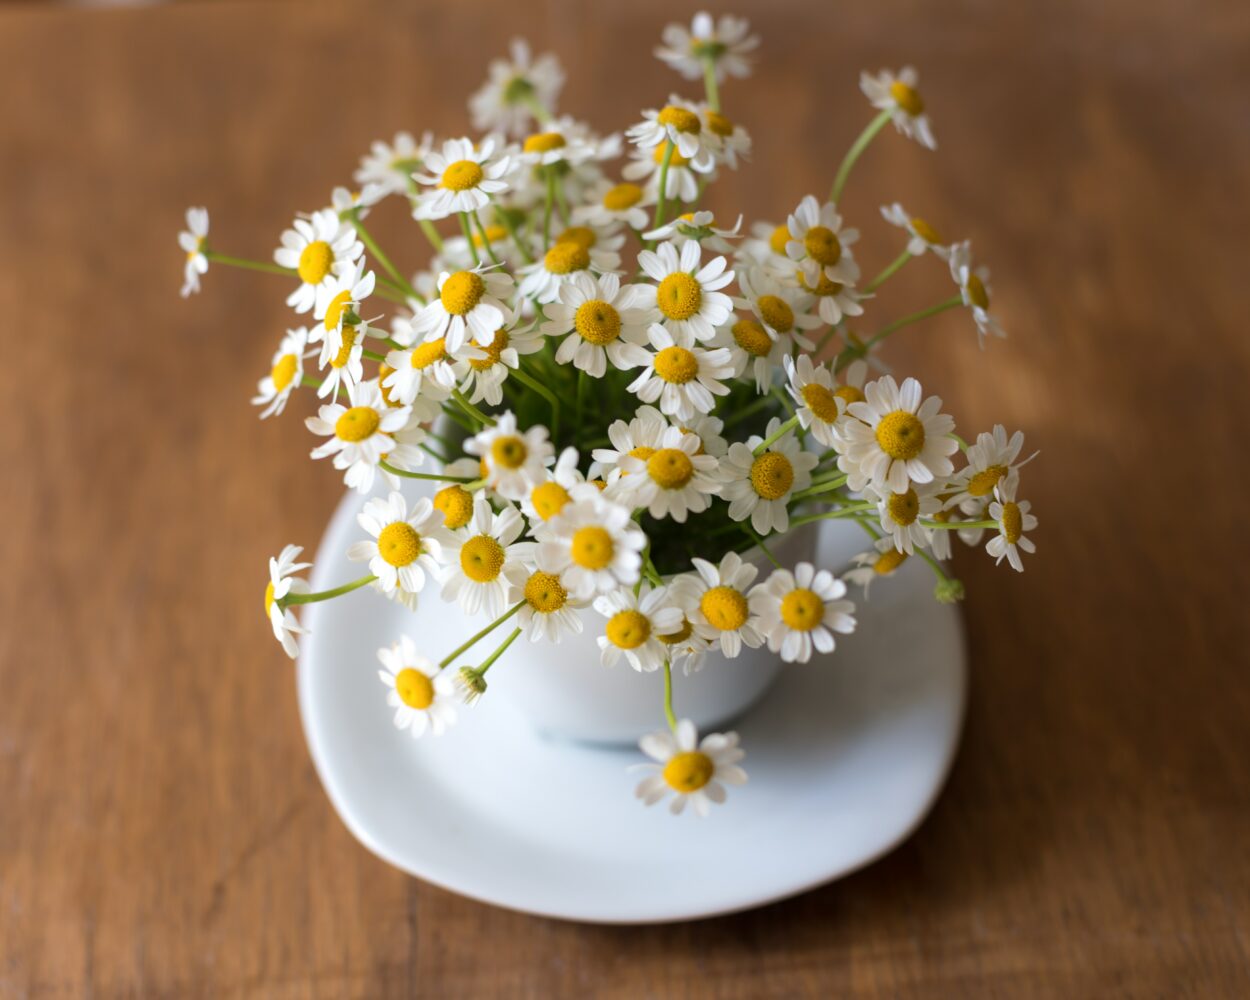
point(727, 140)
point(623, 203)
point(575, 253)
point(694, 771)
point(800, 611)
point(821, 401)
point(593, 545)
point(766, 248)
point(974, 289)
point(194, 242)
point(343, 368)
point(687, 650)
point(707, 429)
point(782, 309)
point(883, 560)
point(819, 244)
point(681, 181)
point(422, 695)
point(559, 141)
point(688, 295)
point(727, 41)
point(923, 236)
point(505, 101)
point(389, 167)
point(488, 365)
point(1013, 520)
point(834, 300)
point(897, 93)
point(407, 453)
point(901, 513)
point(515, 461)
point(639, 437)
point(674, 480)
point(285, 375)
point(478, 557)
point(470, 305)
point(564, 482)
point(605, 322)
point(359, 435)
point(282, 582)
point(549, 611)
point(760, 486)
point(338, 297)
point(679, 123)
point(697, 226)
point(425, 371)
point(461, 177)
point(683, 379)
point(345, 201)
point(319, 248)
point(635, 623)
point(405, 547)
point(717, 603)
point(991, 460)
point(752, 346)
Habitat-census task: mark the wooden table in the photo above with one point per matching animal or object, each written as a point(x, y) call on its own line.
point(162, 832)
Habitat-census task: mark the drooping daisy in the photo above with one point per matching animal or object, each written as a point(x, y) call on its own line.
point(194, 242)
point(338, 298)
point(282, 581)
point(782, 309)
point(506, 101)
point(694, 771)
point(566, 260)
point(898, 437)
point(470, 305)
point(991, 460)
point(678, 122)
point(901, 513)
point(882, 560)
point(359, 434)
point(683, 380)
point(821, 401)
point(897, 93)
point(719, 609)
point(343, 368)
point(640, 437)
point(1013, 520)
point(751, 346)
point(406, 545)
point(800, 611)
point(604, 322)
point(760, 486)
point(488, 365)
point(681, 181)
point(673, 480)
point(319, 248)
point(285, 375)
point(635, 622)
point(614, 204)
point(726, 41)
point(514, 461)
point(593, 545)
point(461, 177)
point(974, 289)
point(688, 295)
point(687, 650)
point(478, 555)
point(698, 226)
point(564, 482)
point(426, 370)
point(390, 166)
point(819, 244)
point(423, 696)
point(549, 611)
point(923, 236)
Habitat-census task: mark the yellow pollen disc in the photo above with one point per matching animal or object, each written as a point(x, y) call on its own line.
point(888, 562)
point(549, 499)
point(671, 468)
point(942, 516)
point(983, 483)
point(802, 609)
point(677, 159)
point(622, 196)
point(724, 608)
point(777, 242)
point(907, 98)
point(821, 244)
point(688, 772)
point(284, 371)
point(750, 335)
point(268, 598)
point(384, 372)
point(823, 285)
point(977, 294)
point(336, 307)
point(461, 176)
point(565, 258)
point(509, 452)
point(1012, 522)
point(315, 261)
point(493, 351)
point(719, 124)
point(901, 435)
point(925, 231)
point(426, 354)
point(357, 424)
point(592, 547)
point(399, 544)
point(643, 452)
point(481, 558)
point(494, 234)
point(414, 688)
point(681, 635)
point(544, 593)
point(849, 393)
point(679, 296)
point(597, 322)
point(772, 475)
point(903, 508)
point(461, 292)
point(350, 336)
point(628, 629)
point(776, 312)
point(681, 119)
point(456, 505)
point(544, 142)
point(583, 236)
point(821, 401)
point(676, 365)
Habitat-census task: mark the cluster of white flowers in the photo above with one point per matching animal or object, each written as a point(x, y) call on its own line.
point(703, 387)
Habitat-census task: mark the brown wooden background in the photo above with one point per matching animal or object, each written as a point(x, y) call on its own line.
point(162, 832)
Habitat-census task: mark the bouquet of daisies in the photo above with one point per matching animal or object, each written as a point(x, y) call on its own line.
point(619, 394)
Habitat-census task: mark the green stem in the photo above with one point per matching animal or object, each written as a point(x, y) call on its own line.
point(479, 636)
point(540, 113)
point(915, 317)
point(893, 266)
point(547, 394)
point(468, 238)
point(853, 154)
point(383, 464)
point(959, 525)
point(827, 487)
point(431, 234)
point(784, 429)
point(668, 697)
point(511, 227)
point(709, 83)
point(453, 413)
point(250, 265)
point(400, 281)
point(470, 409)
point(551, 197)
point(747, 411)
point(309, 382)
point(490, 660)
point(852, 510)
point(485, 239)
point(660, 204)
point(325, 595)
point(759, 543)
point(373, 355)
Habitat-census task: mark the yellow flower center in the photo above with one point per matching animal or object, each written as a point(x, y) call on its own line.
point(679, 296)
point(336, 307)
point(583, 236)
point(677, 365)
point(1012, 522)
point(903, 508)
point(549, 499)
point(426, 354)
point(357, 424)
point(544, 142)
point(907, 98)
point(901, 435)
point(592, 547)
point(682, 119)
point(622, 196)
point(414, 688)
point(456, 505)
point(268, 598)
point(850, 393)
point(597, 322)
point(399, 544)
point(776, 312)
point(772, 475)
point(821, 244)
point(681, 635)
point(284, 371)
point(494, 234)
point(802, 609)
point(823, 285)
point(628, 629)
point(888, 562)
point(567, 257)
point(493, 350)
point(724, 608)
point(461, 292)
point(671, 468)
point(688, 772)
point(350, 335)
point(777, 242)
point(983, 483)
point(481, 558)
point(677, 160)
point(750, 335)
point(925, 231)
point(315, 261)
point(977, 294)
point(821, 401)
point(384, 372)
point(719, 124)
point(461, 176)
point(544, 593)
point(509, 451)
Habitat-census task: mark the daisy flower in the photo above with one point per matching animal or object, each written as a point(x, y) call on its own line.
point(338, 297)
point(719, 610)
point(898, 437)
point(922, 235)
point(345, 201)
point(478, 555)
point(974, 289)
point(675, 479)
point(575, 254)
point(834, 300)
point(360, 434)
point(698, 226)
point(457, 252)
point(727, 140)
point(426, 371)
point(604, 322)
point(819, 244)
point(560, 141)
point(488, 365)
point(687, 649)
point(780, 308)
point(688, 295)
point(454, 502)
point(750, 345)
point(1013, 520)
point(682, 379)
point(760, 486)
point(694, 771)
point(548, 611)
point(389, 167)
point(461, 177)
point(593, 545)
point(766, 247)
point(285, 375)
point(635, 622)
point(194, 242)
point(423, 696)
point(623, 203)
point(726, 41)
point(343, 368)
point(406, 545)
point(514, 462)
point(883, 560)
point(318, 248)
point(800, 611)
point(469, 306)
point(563, 483)
point(900, 514)
point(640, 437)
point(897, 93)
point(991, 460)
point(821, 402)
point(283, 582)
point(506, 101)
point(679, 123)
point(407, 454)
point(706, 429)
point(680, 182)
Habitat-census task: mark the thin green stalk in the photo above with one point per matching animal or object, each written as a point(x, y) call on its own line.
point(384, 464)
point(477, 637)
point(852, 510)
point(747, 411)
point(853, 154)
point(551, 197)
point(485, 238)
point(547, 394)
point(959, 525)
point(776, 435)
point(890, 268)
point(431, 234)
point(661, 201)
point(827, 487)
point(250, 265)
point(400, 281)
point(325, 595)
point(468, 238)
point(433, 452)
point(668, 697)
point(759, 543)
point(453, 413)
point(915, 317)
point(490, 660)
point(539, 112)
point(709, 83)
point(470, 409)
point(520, 245)
point(373, 356)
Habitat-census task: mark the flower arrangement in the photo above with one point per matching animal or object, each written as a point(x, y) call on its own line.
point(619, 395)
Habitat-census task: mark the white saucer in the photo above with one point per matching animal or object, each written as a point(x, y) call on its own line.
point(846, 755)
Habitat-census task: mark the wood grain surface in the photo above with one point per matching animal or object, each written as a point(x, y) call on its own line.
point(162, 832)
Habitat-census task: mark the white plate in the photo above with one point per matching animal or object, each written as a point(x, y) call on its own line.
point(846, 755)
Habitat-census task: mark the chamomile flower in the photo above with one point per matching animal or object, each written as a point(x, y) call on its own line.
point(454, 502)
point(559, 141)
point(673, 480)
point(564, 482)
point(898, 437)
point(726, 41)
point(470, 305)
point(194, 242)
point(923, 237)
point(477, 556)
point(506, 101)
point(727, 140)
point(834, 300)
point(360, 434)
point(719, 610)
point(681, 181)
point(407, 455)
point(688, 295)
point(760, 486)
point(282, 581)
point(782, 309)
point(388, 167)
point(993, 459)
point(974, 289)
point(406, 545)
point(577, 254)
point(423, 696)
point(343, 368)
point(488, 365)
point(623, 203)
point(640, 437)
point(901, 513)
point(285, 375)
point(594, 546)
point(338, 297)
point(319, 248)
point(687, 650)
point(461, 177)
point(347, 202)
point(424, 371)
point(635, 622)
point(752, 346)
point(882, 560)
point(515, 461)
point(897, 93)
point(605, 322)
point(1013, 520)
point(706, 429)
point(819, 244)
point(679, 123)
point(683, 380)
point(693, 771)
point(548, 611)
point(821, 401)
point(800, 611)
point(700, 227)
point(766, 247)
